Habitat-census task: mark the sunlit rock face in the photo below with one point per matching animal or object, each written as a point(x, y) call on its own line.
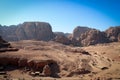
point(93, 37)
point(34, 30)
point(79, 30)
point(27, 31)
point(113, 33)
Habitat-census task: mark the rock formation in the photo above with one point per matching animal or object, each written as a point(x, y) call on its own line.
point(27, 31)
point(92, 37)
point(113, 33)
point(34, 30)
point(79, 30)
point(81, 36)
point(8, 33)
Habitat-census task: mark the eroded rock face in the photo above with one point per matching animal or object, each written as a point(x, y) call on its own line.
point(79, 30)
point(113, 33)
point(92, 37)
point(34, 30)
point(27, 31)
point(8, 33)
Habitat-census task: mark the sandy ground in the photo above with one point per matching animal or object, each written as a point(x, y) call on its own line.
point(101, 55)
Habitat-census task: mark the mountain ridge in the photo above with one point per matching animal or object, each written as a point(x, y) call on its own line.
point(81, 36)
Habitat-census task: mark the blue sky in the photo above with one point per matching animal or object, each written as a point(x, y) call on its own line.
point(63, 15)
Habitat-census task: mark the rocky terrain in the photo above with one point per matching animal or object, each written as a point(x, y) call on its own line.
point(5, 46)
point(39, 59)
point(36, 52)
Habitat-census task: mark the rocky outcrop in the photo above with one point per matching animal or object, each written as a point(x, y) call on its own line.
point(92, 37)
point(8, 33)
point(27, 31)
point(79, 30)
point(67, 40)
point(113, 33)
point(34, 30)
point(48, 67)
point(82, 36)
point(5, 46)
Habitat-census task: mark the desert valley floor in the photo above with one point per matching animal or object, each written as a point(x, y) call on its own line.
point(97, 62)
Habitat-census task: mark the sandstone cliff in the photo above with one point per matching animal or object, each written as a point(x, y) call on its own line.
point(113, 33)
point(27, 31)
point(92, 37)
point(79, 30)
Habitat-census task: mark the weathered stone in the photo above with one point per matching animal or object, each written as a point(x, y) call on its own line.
point(34, 30)
point(27, 31)
point(113, 33)
point(46, 70)
point(79, 30)
point(92, 37)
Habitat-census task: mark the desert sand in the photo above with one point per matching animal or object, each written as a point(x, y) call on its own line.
point(97, 62)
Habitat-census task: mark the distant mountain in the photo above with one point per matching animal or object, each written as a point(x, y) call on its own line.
point(27, 31)
point(62, 34)
point(81, 36)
